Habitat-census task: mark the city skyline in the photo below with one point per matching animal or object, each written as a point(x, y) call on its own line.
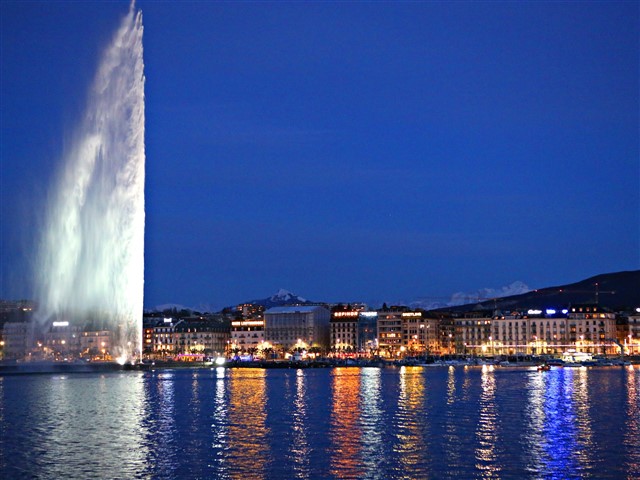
point(345, 151)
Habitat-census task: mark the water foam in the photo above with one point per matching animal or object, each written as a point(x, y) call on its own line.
point(91, 259)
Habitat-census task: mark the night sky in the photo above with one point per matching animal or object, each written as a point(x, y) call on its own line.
point(346, 151)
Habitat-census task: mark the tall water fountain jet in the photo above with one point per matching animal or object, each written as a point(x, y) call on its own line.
point(91, 259)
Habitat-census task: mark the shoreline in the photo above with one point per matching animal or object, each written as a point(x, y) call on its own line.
point(46, 367)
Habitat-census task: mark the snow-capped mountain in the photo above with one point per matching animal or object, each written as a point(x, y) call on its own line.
point(280, 298)
point(465, 298)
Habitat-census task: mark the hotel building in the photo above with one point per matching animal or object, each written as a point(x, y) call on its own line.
point(287, 327)
point(247, 335)
point(585, 328)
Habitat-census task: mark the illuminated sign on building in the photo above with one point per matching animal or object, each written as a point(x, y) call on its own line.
point(248, 323)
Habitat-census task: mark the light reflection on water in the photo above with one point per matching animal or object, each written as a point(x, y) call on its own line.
point(345, 430)
point(248, 449)
point(299, 453)
point(409, 422)
point(371, 422)
point(631, 441)
point(410, 425)
point(486, 431)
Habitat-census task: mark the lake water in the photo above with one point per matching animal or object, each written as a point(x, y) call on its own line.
point(409, 422)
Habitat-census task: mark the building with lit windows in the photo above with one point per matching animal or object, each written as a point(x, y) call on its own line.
point(585, 328)
point(419, 333)
point(287, 327)
point(196, 339)
point(591, 329)
point(367, 341)
point(15, 336)
point(473, 332)
point(164, 344)
point(62, 340)
point(250, 310)
point(631, 334)
point(247, 335)
point(404, 332)
point(96, 345)
point(390, 333)
point(343, 330)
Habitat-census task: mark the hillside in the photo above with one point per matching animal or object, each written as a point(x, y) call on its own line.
point(615, 291)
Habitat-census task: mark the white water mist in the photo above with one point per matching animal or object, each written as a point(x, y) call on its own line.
point(91, 261)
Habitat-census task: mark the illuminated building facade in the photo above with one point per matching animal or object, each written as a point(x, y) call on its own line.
point(201, 338)
point(63, 340)
point(390, 333)
point(631, 334)
point(96, 345)
point(343, 330)
point(591, 329)
point(286, 327)
point(404, 332)
point(250, 310)
point(247, 335)
point(473, 331)
point(367, 332)
point(15, 336)
point(164, 341)
point(583, 328)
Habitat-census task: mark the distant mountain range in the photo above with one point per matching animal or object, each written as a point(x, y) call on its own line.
point(615, 291)
point(281, 298)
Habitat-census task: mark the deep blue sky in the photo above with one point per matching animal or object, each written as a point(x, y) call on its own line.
point(345, 151)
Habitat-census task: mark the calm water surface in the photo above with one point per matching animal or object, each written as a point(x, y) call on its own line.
point(409, 422)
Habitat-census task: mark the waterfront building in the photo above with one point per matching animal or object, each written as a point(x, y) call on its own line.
point(353, 329)
point(163, 343)
point(195, 339)
point(447, 340)
point(592, 329)
point(16, 336)
point(418, 333)
point(632, 333)
point(297, 326)
point(404, 332)
point(390, 332)
point(367, 339)
point(96, 345)
point(586, 328)
point(473, 332)
point(247, 335)
point(343, 330)
point(148, 326)
point(62, 341)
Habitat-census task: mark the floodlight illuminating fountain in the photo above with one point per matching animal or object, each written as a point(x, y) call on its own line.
point(90, 268)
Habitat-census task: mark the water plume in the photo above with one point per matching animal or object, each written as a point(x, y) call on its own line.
point(91, 258)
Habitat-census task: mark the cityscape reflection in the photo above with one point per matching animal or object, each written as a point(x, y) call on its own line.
point(632, 427)
point(410, 424)
point(248, 450)
point(487, 429)
point(371, 421)
point(407, 422)
point(345, 429)
point(300, 448)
